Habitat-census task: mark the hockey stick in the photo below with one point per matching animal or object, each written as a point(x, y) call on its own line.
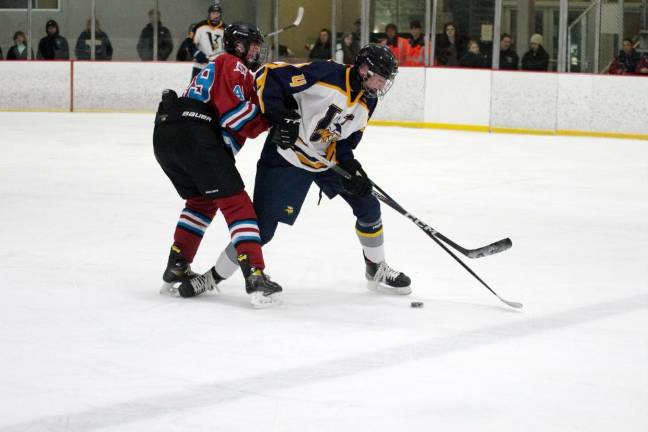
point(298, 20)
point(379, 193)
point(491, 249)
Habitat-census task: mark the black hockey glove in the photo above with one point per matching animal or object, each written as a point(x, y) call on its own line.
point(359, 184)
point(285, 128)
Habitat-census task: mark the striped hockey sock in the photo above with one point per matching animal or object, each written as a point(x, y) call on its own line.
point(192, 224)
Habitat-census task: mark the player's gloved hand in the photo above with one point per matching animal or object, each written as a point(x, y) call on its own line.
point(285, 128)
point(359, 184)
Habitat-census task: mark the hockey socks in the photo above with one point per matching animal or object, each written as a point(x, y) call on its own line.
point(244, 230)
point(192, 224)
point(372, 239)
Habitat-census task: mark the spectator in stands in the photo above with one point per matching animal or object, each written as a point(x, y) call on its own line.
point(416, 52)
point(188, 47)
point(473, 57)
point(53, 46)
point(399, 46)
point(536, 59)
point(19, 49)
point(509, 59)
point(627, 62)
point(145, 44)
point(321, 50)
point(345, 52)
point(450, 46)
point(103, 48)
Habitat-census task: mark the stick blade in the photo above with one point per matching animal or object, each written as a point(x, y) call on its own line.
point(515, 305)
point(491, 249)
point(300, 16)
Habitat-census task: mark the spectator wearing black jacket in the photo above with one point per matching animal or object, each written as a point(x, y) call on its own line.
point(188, 47)
point(627, 62)
point(103, 48)
point(450, 46)
point(536, 59)
point(473, 57)
point(0, 53)
point(19, 49)
point(509, 59)
point(322, 48)
point(145, 43)
point(53, 46)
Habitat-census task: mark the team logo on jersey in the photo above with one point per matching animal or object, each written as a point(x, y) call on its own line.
point(238, 92)
point(329, 127)
point(289, 210)
point(298, 80)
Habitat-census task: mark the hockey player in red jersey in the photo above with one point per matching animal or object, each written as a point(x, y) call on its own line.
point(195, 140)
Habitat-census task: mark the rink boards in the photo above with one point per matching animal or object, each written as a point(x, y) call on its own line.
point(463, 99)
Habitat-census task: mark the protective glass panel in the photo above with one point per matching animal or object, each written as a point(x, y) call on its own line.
point(346, 21)
point(131, 34)
point(14, 33)
point(400, 24)
point(54, 32)
point(464, 33)
point(529, 35)
point(188, 23)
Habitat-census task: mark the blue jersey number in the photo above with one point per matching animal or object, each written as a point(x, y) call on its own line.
point(202, 83)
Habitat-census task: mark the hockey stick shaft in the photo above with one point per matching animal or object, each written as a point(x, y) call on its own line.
point(297, 22)
point(491, 249)
point(379, 193)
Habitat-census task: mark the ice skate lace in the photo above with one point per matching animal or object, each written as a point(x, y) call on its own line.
point(204, 283)
point(385, 272)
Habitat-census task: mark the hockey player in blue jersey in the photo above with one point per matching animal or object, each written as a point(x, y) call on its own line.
point(326, 106)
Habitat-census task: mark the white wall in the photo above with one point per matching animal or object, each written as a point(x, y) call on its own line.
point(126, 86)
point(462, 97)
point(34, 85)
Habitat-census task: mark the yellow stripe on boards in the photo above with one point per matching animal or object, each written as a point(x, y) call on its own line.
point(474, 128)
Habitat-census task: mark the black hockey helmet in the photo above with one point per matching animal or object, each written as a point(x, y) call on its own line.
point(215, 7)
point(381, 61)
point(246, 34)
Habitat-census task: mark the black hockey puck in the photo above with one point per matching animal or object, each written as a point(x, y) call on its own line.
point(416, 304)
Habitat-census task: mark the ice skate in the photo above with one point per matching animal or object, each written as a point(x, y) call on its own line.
point(178, 270)
point(263, 292)
point(385, 280)
point(197, 285)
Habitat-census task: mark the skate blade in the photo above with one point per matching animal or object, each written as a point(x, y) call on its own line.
point(260, 301)
point(170, 289)
point(381, 288)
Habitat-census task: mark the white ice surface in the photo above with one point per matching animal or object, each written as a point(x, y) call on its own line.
point(88, 344)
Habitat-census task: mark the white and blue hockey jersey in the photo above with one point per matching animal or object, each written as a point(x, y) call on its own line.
point(333, 116)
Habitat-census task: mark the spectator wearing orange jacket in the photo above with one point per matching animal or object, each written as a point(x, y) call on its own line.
point(416, 52)
point(399, 46)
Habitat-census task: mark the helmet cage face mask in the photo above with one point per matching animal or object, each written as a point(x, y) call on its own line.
point(242, 36)
point(378, 93)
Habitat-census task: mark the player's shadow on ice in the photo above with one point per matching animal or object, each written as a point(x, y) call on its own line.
point(277, 380)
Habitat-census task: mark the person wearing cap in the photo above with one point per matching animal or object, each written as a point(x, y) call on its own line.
point(537, 58)
point(19, 49)
point(53, 46)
